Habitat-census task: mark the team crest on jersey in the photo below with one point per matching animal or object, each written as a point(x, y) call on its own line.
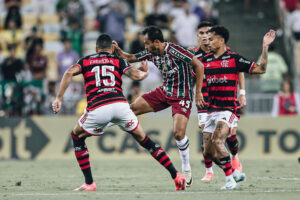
point(164, 67)
point(129, 124)
point(224, 63)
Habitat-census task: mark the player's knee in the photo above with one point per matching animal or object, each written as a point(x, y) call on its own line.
point(178, 135)
point(217, 143)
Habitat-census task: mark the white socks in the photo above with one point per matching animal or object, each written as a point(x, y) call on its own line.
point(183, 147)
point(210, 170)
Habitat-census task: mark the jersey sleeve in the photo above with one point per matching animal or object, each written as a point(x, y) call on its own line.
point(143, 55)
point(124, 66)
point(79, 64)
point(181, 53)
point(244, 65)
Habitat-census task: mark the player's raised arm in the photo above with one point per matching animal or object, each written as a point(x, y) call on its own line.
point(262, 66)
point(140, 73)
point(242, 85)
point(199, 69)
point(129, 57)
point(65, 82)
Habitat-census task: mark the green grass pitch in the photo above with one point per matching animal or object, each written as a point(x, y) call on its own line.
point(141, 179)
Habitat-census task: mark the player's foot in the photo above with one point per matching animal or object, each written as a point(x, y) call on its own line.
point(209, 176)
point(179, 182)
point(238, 176)
point(188, 178)
point(87, 187)
point(230, 184)
point(237, 164)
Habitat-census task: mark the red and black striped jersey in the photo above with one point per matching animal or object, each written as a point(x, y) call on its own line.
point(222, 76)
point(199, 55)
point(175, 69)
point(102, 78)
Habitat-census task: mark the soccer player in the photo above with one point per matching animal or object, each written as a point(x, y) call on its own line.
point(222, 69)
point(174, 62)
point(232, 142)
point(106, 103)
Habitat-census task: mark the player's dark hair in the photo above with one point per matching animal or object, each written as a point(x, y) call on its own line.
point(154, 33)
point(220, 31)
point(204, 24)
point(104, 41)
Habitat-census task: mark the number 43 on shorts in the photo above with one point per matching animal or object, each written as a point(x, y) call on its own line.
point(186, 104)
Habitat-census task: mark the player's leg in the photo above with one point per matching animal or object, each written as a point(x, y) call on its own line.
point(202, 117)
point(207, 152)
point(159, 154)
point(179, 127)
point(129, 122)
point(150, 102)
point(141, 106)
point(233, 146)
point(222, 156)
point(82, 156)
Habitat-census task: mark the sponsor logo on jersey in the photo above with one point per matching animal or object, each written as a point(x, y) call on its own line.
point(177, 54)
point(241, 60)
point(214, 79)
point(225, 57)
point(107, 90)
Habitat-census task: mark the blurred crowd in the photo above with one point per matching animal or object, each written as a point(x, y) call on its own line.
point(39, 40)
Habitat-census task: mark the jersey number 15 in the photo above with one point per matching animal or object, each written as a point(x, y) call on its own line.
point(105, 72)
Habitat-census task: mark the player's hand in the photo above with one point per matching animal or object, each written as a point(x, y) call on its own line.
point(117, 49)
point(242, 100)
point(144, 66)
point(56, 105)
point(269, 37)
point(192, 48)
point(199, 99)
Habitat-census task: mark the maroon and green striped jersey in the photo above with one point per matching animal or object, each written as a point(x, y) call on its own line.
point(175, 69)
point(222, 75)
point(102, 78)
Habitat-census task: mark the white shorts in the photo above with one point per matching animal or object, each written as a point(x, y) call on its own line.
point(202, 117)
point(93, 122)
point(225, 116)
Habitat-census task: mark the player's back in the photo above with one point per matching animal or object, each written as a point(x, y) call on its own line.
point(102, 74)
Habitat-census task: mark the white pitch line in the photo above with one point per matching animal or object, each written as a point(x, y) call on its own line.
point(280, 178)
point(155, 193)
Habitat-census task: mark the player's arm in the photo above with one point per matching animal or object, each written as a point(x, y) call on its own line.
point(262, 66)
point(242, 85)
point(129, 57)
point(140, 73)
point(64, 84)
point(199, 69)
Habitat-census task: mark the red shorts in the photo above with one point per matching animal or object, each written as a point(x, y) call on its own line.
point(159, 101)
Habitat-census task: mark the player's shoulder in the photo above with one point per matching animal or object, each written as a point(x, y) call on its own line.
point(232, 54)
point(199, 53)
point(208, 57)
point(173, 46)
point(178, 50)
